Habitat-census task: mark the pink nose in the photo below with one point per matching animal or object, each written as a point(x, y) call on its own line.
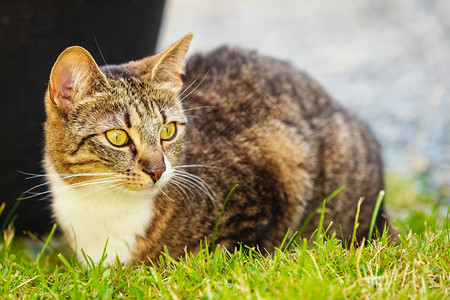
point(155, 173)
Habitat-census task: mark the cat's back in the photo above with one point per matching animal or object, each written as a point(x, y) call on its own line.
point(241, 80)
point(265, 122)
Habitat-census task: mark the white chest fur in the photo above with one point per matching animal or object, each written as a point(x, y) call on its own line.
point(91, 219)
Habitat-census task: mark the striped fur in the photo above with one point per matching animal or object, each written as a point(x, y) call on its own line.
point(241, 119)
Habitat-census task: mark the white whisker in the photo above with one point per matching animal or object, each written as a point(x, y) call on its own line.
point(32, 176)
point(194, 182)
point(195, 166)
point(189, 86)
point(167, 196)
point(33, 195)
point(49, 192)
point(69, 178)
point(107, 188)
point(196, 108)
point(96, 181)
point(193, 90)
point(163, 106)
point(45, 183)
point(83, 184)
point(179, 187)
point(188, 199)
point(184, 173)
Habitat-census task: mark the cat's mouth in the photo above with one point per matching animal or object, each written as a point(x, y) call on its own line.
point(154, 188)
point(149, 189)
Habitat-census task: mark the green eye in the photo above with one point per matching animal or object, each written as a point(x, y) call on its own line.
point(117, 137)
point(168, 132)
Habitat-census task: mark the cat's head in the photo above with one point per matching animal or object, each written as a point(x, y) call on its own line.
point(122, 125)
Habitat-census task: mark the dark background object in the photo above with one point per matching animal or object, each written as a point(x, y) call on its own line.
point(32, 35)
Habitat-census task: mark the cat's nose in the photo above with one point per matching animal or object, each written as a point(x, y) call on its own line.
point(153, 165)
point(155, 173)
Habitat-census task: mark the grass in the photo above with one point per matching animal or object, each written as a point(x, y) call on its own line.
point(417, 267)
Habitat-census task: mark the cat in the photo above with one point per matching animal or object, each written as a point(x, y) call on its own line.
point(142, 156)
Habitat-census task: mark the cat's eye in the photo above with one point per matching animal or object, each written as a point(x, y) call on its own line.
point(117, 137)
point(168, 132)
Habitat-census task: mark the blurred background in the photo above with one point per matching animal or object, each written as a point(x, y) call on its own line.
point(388, 61)
point(385, 60)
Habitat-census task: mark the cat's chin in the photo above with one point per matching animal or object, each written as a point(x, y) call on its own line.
point(149, 190)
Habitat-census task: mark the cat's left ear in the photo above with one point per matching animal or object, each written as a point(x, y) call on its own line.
point(74, 75)
point(167, 66)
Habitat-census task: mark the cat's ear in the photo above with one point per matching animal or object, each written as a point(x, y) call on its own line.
point(74, 75)
point(167, 66)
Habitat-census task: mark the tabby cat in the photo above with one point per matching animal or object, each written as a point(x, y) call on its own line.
point(140, 156)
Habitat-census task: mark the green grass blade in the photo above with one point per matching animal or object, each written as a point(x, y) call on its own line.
point(447, 222)
point(216, 229)
point(313, 214)
point(10, 216)
point(283, 242)
point(66, 263)
point(355, 225)
point(47, 241)
point(89, 261)
point(319, 236)
point(2, 208)
point(333, 194)
point(104, 254)
point(375, 213)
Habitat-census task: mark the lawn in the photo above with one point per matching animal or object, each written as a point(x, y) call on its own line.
point(417, 266)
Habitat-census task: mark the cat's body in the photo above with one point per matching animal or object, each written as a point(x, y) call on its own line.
point(246, 120)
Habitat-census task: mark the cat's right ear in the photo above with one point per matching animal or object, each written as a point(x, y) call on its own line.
point(166, 67)
point(74, 75)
